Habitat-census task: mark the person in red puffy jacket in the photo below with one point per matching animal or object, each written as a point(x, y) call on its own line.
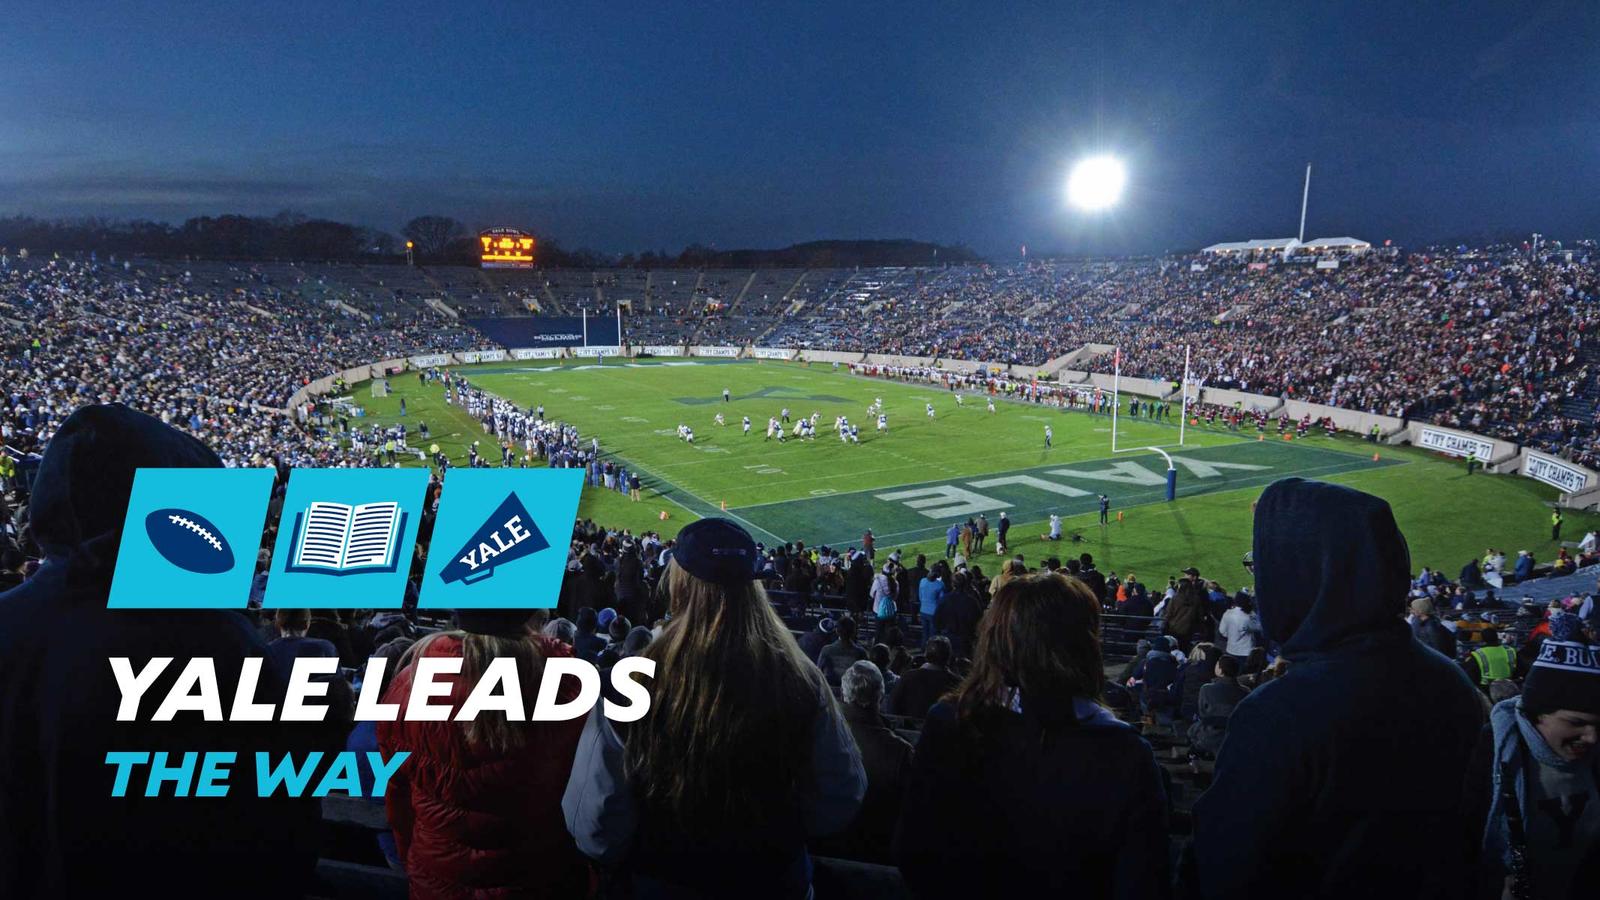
point(476, 809)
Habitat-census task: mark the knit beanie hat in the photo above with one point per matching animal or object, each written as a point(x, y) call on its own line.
point(1566, 675)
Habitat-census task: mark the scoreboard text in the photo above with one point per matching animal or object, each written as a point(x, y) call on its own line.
point(506, 248)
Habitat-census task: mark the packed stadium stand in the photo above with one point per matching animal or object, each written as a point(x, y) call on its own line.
point(1486, 339)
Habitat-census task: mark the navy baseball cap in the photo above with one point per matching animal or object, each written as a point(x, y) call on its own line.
point(716, 550)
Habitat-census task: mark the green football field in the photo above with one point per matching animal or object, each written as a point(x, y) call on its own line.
point(911, 483)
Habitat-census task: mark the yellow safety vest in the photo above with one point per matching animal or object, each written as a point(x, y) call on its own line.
point(1494, 666)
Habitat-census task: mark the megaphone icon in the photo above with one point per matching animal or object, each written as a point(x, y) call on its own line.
point(508, 534)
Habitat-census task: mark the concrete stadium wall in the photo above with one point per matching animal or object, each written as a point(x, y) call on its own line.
point(831, 356)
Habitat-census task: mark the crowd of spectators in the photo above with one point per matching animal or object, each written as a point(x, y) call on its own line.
point(219, 360)
point(988, 744)
point(1492, 340)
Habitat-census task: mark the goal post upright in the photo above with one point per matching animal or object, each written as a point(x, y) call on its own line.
point(1183, 390)
point(1116, 399)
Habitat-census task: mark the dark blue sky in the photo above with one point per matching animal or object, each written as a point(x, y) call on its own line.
point(631, 126)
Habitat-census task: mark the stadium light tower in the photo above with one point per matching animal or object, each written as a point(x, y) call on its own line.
point(1096, 183)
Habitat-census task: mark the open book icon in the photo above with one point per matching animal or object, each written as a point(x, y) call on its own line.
point(337, 539)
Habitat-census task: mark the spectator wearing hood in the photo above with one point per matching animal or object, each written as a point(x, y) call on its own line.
point(477, 806)
point(1532, 790)
point(742, 757)
point(62, 833)
point(588, 644)
point(1308, 798)
point(1022, 783)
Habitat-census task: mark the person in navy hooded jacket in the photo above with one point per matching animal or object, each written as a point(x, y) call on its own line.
point(1332, 773)
point(62, 833)
point(1023, 785)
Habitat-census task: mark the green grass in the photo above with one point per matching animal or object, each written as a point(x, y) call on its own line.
point(968, 459)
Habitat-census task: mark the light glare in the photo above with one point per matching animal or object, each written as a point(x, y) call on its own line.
point(1096, 183)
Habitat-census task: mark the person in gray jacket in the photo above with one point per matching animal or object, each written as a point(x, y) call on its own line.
point(742, 756)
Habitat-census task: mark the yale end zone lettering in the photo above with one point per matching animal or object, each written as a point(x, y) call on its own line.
point(918, 511)
point(944, 501)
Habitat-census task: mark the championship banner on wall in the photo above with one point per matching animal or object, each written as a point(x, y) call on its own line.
point(771, 353)
point(596, 351)
point(1454, 444)
point(536, 353)
point(726, 352)
point(1554, 471)
point(430, 359)
point(662, 350)
point(478, 356)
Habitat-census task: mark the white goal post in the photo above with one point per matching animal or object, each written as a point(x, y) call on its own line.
point(1183, 417)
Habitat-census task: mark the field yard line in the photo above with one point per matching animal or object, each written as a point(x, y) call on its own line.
point(937, 530)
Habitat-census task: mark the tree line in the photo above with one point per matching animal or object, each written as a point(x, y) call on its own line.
point(435, 239)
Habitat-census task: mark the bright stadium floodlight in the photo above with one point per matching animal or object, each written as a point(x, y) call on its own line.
point(1096, 183)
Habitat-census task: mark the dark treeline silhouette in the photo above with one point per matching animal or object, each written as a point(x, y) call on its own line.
point(438, 240)
point(286, 235)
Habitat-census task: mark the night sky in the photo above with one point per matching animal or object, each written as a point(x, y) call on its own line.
point(652, 125)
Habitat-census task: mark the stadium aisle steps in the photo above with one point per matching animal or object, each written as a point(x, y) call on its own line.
point(742, 291)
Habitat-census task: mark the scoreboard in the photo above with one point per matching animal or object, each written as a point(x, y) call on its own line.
point(505, 248)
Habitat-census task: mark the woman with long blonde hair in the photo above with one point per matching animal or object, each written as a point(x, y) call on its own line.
point(1022, 783)
point(742, 755)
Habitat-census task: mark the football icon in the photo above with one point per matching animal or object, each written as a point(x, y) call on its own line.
point(189, 541)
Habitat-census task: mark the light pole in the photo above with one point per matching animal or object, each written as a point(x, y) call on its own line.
point(409, 261)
